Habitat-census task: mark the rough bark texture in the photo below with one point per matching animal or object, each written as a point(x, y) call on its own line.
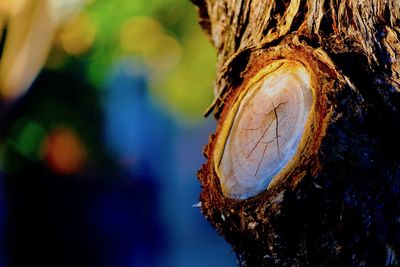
point(339, 204)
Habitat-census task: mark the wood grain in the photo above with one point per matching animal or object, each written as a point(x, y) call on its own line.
point(264, 131)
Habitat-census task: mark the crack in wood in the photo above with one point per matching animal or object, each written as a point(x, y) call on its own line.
point(266, 143)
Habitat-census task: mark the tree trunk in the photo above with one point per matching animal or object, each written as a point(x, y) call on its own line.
point(304, 167)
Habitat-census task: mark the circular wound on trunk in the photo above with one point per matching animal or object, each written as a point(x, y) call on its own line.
point(263, 130)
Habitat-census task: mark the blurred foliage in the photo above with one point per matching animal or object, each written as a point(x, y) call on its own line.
point(163, 37)
point(91, 38)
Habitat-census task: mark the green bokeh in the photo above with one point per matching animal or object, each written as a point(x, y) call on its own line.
point(28, 138)
point(186, 89)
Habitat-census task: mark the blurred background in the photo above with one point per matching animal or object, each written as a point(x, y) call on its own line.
point(101, 134)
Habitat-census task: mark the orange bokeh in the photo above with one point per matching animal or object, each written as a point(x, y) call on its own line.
point(64, 151)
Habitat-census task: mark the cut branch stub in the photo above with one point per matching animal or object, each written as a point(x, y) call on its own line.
point(263, 130)
point(304, 169)
point(341, 166)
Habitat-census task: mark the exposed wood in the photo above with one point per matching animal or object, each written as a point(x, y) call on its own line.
point(263, 129)
point(336, 202)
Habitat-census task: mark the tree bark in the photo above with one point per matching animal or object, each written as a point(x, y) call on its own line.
point(336, 200)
